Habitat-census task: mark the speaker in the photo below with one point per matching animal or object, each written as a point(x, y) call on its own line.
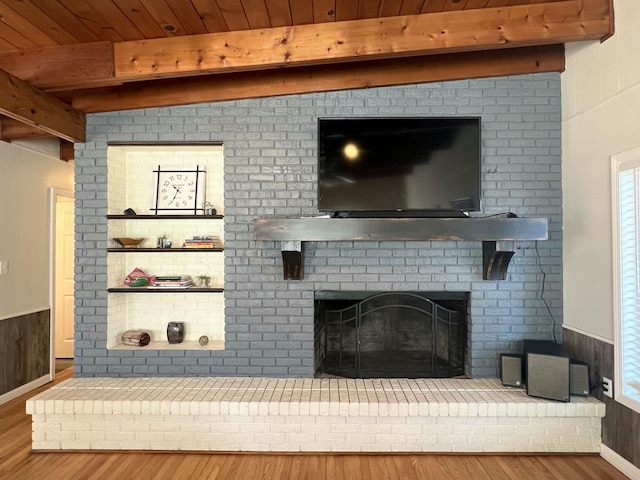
point(543, 346)
point(579, 378)
point(548, 376)
point(511, 366)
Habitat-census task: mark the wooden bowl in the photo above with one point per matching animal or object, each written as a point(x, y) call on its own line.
point(126, 242)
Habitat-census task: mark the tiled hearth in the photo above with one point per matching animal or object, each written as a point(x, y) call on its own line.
point(271, 414)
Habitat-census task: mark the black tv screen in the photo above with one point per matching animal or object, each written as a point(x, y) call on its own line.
point(399, 165)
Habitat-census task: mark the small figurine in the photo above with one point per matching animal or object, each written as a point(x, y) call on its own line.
point(208, 209)
point(137, 278)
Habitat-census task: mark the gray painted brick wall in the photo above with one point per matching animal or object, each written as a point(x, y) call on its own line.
point(270, 170)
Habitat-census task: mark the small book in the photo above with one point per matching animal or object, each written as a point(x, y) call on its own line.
point(172, 278)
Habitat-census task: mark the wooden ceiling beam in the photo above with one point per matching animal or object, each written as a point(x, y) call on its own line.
point(27, 104)
point(379, 38)
point(63, 67)
point(11, 129)
point(104, 64)
point(67, 151)
point(299, 80)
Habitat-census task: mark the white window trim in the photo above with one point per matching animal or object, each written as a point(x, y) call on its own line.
point(620, 162)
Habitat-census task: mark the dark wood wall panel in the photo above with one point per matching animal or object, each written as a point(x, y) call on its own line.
point(24, 349)
point(621, 425)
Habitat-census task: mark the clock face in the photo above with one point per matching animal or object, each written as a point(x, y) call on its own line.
point(177, 190)
point(180, 191)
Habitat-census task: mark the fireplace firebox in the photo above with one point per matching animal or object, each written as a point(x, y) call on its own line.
point(390, 334)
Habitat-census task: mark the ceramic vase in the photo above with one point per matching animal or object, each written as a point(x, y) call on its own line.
point(175, 332)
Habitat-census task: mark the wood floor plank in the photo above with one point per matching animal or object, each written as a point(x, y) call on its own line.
point(380, 467)
point(103, 465)
point(586, 468)
point(432, 467)
point(467, 467)
point(493, 468)
point(211, 468)
point(601, 469)
point(518, 467)
point(17, 462)
point(181, 467)
point(230, 468)
point(300, 469)
point(558, 466)
point(276, 466)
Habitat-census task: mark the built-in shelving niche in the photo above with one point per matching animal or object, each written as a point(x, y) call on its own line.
point(131, 185)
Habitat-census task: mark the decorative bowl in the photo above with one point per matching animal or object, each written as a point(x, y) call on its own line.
point(126, 242)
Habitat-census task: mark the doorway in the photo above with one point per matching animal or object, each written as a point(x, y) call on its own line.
point(62, 295)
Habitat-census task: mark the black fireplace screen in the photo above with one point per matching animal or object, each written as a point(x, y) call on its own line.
point(390, 335)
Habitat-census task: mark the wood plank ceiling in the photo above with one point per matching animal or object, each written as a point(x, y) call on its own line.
point(61, 59)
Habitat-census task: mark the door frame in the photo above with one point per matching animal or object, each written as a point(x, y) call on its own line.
point(54, 193)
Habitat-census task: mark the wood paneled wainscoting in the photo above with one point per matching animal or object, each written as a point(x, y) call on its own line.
point(18, 462)
point(24, 351)
point(621, 425)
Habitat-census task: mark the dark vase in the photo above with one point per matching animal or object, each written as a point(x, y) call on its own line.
point(175, 332)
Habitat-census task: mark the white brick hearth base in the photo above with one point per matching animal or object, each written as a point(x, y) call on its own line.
point(292, 415)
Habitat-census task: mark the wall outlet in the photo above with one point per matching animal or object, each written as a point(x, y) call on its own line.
point(607, 387)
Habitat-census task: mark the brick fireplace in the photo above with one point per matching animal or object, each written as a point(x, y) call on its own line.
point(270, 149)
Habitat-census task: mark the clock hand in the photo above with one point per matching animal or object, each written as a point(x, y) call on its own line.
point(177, 189)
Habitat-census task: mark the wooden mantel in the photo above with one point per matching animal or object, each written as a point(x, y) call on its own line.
point(377, 229)
point(294, 231)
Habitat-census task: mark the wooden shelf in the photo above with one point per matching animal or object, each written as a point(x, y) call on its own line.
point(379, 229)
point(164, 345)
point(163, 250)
point(492, 232)
point(165, 290)
point(165, 217)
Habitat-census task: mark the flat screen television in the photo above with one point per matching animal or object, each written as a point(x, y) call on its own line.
point(399, 166)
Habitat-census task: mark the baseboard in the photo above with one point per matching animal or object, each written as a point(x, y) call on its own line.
point(26, 388)
point(622, 464)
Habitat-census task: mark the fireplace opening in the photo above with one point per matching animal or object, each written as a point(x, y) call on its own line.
point(390, 334)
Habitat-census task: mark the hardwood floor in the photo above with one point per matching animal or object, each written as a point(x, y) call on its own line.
point(63, 364)
point(17, 462)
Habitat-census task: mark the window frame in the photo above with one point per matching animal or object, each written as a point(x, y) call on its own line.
point(623, 162)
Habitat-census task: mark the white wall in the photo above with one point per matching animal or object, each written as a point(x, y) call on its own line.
point(25, 177)
point(601, 117)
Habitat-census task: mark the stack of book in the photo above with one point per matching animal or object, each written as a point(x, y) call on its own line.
point(201, 242)
point(172, 281)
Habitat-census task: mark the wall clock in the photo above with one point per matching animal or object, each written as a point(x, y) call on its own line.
point(179, 191)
